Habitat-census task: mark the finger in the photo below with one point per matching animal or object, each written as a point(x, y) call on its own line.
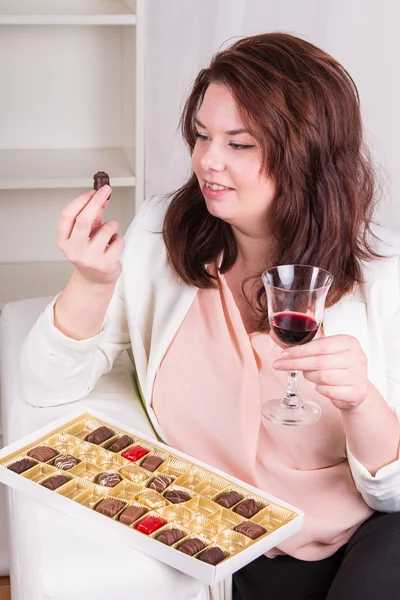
point(115, 248)
point(323, 345)
point(68, 215)
point(99, 218)
point(85, 219)
point(332, 378)
point(101, 239)
point(344, 393)
point(318, 362)
point(111, 257)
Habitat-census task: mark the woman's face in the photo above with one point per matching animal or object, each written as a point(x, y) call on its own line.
point(227, 156)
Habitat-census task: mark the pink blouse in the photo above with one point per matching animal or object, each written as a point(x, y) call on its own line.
point(207, 397)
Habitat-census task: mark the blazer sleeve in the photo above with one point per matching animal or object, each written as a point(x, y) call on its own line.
point(55, 369)
point(382, 491)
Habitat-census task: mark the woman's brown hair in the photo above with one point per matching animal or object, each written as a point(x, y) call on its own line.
point(303, 109)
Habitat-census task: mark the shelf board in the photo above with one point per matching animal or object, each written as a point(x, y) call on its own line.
point(56, 169)
point(66, 12)
point(31, 280)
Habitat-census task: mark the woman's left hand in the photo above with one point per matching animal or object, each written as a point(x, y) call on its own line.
point(336, 364)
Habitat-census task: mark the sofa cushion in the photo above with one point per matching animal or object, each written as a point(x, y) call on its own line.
point(4, 552)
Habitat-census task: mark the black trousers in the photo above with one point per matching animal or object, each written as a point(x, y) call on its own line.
point(366, 568)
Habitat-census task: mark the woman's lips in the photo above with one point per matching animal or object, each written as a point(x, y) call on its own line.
point(210, 193)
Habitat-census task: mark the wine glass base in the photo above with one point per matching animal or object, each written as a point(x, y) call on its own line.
point(282, 414)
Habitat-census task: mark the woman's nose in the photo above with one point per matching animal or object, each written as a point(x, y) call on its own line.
point(213, 159)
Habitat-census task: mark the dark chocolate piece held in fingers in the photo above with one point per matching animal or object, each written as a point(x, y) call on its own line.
point(99, 179)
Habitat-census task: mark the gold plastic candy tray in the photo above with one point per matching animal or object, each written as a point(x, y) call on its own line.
point(169, 491)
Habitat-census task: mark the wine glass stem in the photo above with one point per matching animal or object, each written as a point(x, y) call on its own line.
point(291, 398)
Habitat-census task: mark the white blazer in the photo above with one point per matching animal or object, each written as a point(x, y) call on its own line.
point(149, 305)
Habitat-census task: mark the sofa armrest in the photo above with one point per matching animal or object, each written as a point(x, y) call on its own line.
point(115, 394)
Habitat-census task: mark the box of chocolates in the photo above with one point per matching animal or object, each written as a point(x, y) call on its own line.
point(156, 499)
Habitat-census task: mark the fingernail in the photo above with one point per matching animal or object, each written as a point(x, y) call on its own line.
point(285, 354)
point(105, 190)
point(277, 364)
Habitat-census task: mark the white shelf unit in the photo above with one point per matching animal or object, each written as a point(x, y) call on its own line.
point(72, 103)
point(66, 12)
point(40, 169)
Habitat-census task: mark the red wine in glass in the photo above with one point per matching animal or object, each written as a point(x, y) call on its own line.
point(293, 328)
point(296, 298)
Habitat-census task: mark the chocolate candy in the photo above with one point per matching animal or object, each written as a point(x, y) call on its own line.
point(251, 530)
point(134, 473)
point(109, 507)
point(171, 536)
point(109, 479)
point(55, 482)
point(150, 524)
point(22, 465)
point(121, 443)
point(151, 463)
point(229, 499)
point(160, 483)
point(247, 508)
point(131, 514)
point(42, 453)
point(65, 462)
point(99, 435)
point(135, 453)
point(99, 179)
point(176, 496)
point(212, 556)
point(191, 546)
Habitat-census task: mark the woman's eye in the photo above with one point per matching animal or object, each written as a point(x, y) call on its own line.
point(241, 146)
point(235, 146)
point(201, 137)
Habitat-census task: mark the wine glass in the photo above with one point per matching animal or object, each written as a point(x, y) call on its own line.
point(296, 298)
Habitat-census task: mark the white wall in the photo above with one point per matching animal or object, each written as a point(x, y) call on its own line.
point(183, 34)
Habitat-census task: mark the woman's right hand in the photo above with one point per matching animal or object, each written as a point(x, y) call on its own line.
point(93, 247)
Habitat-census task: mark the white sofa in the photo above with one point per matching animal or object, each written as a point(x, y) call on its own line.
point(55, 557)
point(4, 552)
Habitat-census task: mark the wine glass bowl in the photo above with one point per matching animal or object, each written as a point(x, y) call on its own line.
point(293, 329)
point(296, 299)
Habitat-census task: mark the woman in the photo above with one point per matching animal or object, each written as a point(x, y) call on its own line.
point(280, 176)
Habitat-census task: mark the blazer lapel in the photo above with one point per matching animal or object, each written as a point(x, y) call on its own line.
point(349, 317)
point(177, 298)
point(359, 316)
